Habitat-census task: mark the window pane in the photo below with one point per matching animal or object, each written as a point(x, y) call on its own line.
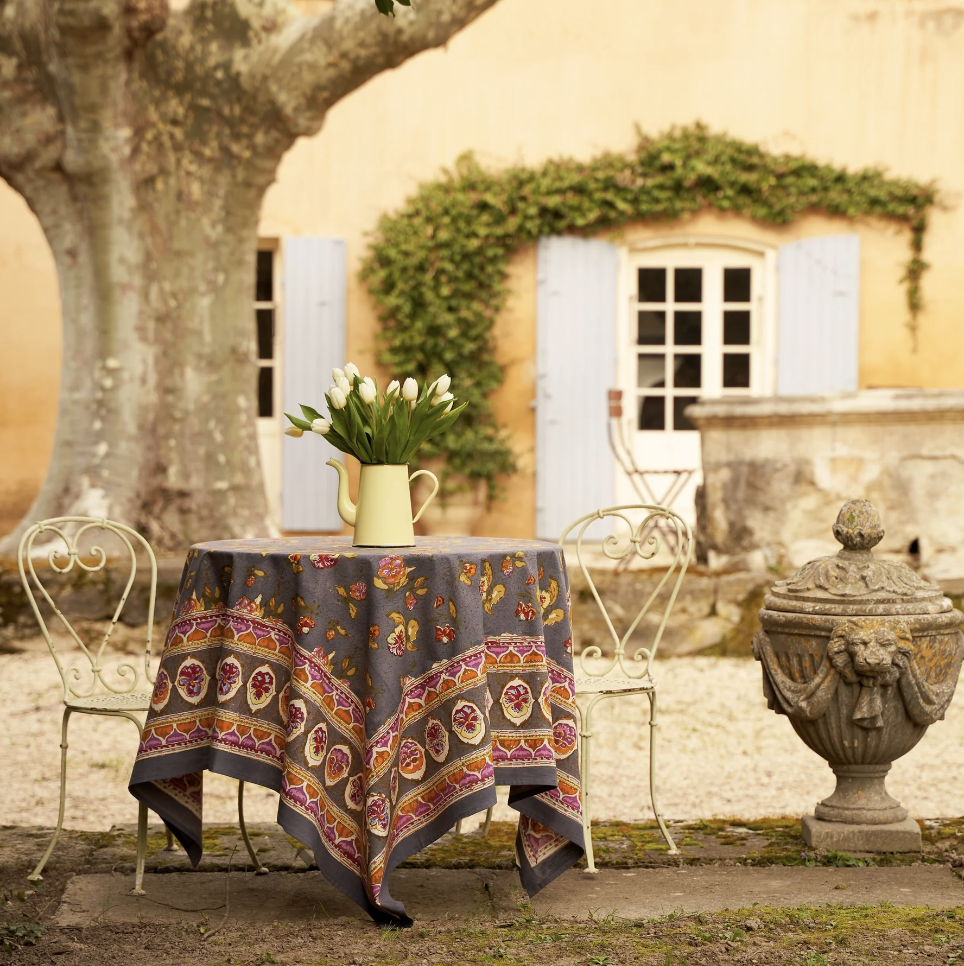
point(266, 391)
point(688, 370)
point(688, 328)
point(651, 372)
point(736, 370)
point(652, 412)
point(736, 285)
point(688, 285)
point(652, 285)
point(736, 328)
point(651, 328)
point(679, 404)
point(265, 333)
point(264, 288)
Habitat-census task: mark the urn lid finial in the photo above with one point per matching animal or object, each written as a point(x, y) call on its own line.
point(858, 526)
point(854, 581)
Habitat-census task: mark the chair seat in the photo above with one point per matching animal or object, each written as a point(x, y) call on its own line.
point(614, 685)
point(131, 701)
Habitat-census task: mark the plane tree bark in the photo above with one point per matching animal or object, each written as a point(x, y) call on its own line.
point(144, 140)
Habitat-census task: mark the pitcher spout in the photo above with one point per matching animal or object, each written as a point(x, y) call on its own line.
point(346, 509)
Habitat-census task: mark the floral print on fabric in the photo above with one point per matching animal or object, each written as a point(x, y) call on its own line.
point(564, 737)
point(407, 683)
point(230, 677)
point(162, 691)
point(261, 687)
point(337, 764)
point(411, 760)
point(436, 739)
point(517, 701)
point(192, 680)
point(377, 813)
point(297, 716)
point(468, 722)
point(355, 793)
point(315, 745)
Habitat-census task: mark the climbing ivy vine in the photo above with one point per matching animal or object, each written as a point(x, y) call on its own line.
point(437, 268)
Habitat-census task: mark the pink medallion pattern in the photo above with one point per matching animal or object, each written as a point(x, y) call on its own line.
point(468, 722)
point(355, 793)
point(230, 676)
point(192, 680)
point(337, 764)
point(315, 745)
point(377, 814)
point(297, 716)
point(436, 740)
point(517, 701)
point(261, 687)
point(564, 737)
point(162, 691)
point(411, 760)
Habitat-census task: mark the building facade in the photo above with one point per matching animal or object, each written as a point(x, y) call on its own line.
point(710, 306)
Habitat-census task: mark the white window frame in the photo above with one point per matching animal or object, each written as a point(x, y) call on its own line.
point(270, 428)
point(656, 452)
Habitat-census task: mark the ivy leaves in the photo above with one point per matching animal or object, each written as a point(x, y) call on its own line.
point(387, 7)
point(437, 269)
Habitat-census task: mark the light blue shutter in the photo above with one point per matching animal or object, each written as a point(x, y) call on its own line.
point(576, 366)
point(819, 281)
point(315, 282)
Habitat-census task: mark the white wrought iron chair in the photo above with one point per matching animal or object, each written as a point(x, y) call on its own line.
point(121, 690)
point(623, 676)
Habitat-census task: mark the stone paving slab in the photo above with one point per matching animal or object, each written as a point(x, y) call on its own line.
point(439, 894)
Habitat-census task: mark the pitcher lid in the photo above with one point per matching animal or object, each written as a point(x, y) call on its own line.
point(854, 581)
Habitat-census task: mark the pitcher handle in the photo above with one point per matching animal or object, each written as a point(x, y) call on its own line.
point(431, 495)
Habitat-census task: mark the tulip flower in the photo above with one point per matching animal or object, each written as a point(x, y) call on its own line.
point(373, 426)
point(445, 397)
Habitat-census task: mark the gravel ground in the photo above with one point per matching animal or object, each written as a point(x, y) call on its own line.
point(721, 753)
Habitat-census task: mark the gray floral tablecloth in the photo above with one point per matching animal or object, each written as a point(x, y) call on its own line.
point(384, 693)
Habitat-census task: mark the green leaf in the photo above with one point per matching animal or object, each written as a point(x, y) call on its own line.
point(385, 7)
point(310, 414)
point(300, 423)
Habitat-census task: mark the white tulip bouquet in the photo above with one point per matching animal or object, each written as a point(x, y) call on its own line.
point(379, 429)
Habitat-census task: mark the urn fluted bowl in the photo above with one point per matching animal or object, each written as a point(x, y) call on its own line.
point(862, 655)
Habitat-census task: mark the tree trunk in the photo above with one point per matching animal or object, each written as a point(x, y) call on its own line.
point(144, 142)
point(156, 424)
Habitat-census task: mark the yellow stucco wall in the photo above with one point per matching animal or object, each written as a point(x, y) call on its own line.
point(852, 82)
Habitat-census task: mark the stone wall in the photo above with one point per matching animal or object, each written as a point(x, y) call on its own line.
point(777, 470)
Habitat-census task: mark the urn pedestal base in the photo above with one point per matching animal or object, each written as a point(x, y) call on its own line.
point(896, 837)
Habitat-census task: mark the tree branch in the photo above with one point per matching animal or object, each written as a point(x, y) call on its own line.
point(31, 131)
point(315, 61)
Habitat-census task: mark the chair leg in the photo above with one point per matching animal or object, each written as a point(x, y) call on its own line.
point(673, 850)
point(35, 876)
point(585, 734)
point(488, 822)
point(259, 869)
point(171, 844)
point(138, 889)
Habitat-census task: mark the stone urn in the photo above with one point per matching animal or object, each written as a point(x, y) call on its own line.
point(861, 655)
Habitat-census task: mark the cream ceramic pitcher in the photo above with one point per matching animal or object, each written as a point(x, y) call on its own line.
point(383, 515)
